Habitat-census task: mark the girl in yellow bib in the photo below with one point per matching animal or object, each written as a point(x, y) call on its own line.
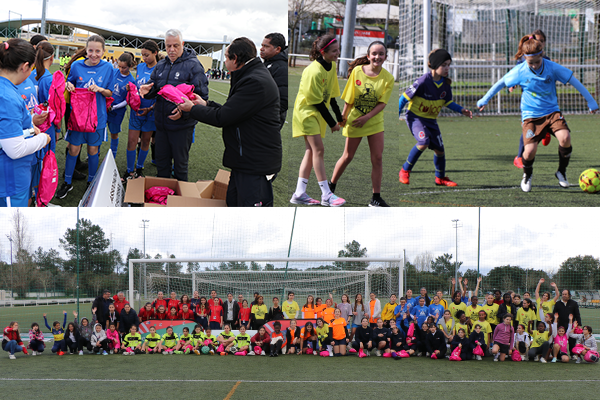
point(366, 94)
point(318, 87)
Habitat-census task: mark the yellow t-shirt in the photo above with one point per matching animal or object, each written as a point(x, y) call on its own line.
point(259, 311)
point(485, 329)
point(492, 313)
point(454, 308)
point(547, 307)
point(538, 339)
point(388, 312)
point(363, 92)
point(473, 313)
point(458, 325)
point(317, 85)
point(523, 317)
point(289, 310)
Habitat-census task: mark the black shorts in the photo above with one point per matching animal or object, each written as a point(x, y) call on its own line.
point(341, 342)
point(504, 348)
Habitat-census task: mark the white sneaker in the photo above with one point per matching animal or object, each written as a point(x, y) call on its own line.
point(578, 361)
point(562, 180)
point(12, 357)
point(125, 353)
point(378, 353)
point(131, 353)
point(526, 183)
point(304, 199)
point(522, 357)
point(112, 352)
point(419, 354)
point(263, 353)
point(478, 358)
point(495, 359)
point(330, 353)
point(574, 358)
point(427, 354)
point(536, 359)
point(251, 353)
point(80, 352)
point(34, 353)
point(542, 360)
point(331, 200)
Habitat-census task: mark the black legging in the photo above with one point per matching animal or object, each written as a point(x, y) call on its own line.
point(103, 346)
point(83, 342)
point(276, 348)
point(72, 346)
point(541, 350)
point(356, 345)
point(266, 347)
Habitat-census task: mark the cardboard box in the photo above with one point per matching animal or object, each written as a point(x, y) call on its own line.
point(187, 194)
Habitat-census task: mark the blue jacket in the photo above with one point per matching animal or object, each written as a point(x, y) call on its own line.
point(186, 69)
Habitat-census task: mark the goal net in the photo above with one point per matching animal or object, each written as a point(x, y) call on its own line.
point(304, 277)
point(483, 36)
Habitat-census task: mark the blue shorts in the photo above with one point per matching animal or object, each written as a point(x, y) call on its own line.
point(355, 326)
point(114, 119)
point(426, 131)
point(142, 124)
point(90, 138)
point(18, 200)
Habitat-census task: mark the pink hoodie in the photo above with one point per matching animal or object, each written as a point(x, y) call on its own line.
point(113, 337)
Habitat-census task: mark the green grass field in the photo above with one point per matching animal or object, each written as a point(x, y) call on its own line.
point(479, 157)
point(230, 377)
point(355, 184)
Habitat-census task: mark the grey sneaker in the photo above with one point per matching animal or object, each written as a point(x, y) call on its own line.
point(304, 199)
point(562, 179)
point(331, 200)
point(526, 183)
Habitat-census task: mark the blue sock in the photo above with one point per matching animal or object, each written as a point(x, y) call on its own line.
point(413, 156)
point(440, 166)
point(130, 160)
point(70, 167)
point(141, 158)
point(114, 145)
point(93, 166)
point(521, 147)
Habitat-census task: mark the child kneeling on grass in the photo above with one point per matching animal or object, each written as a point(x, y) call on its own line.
point(36, 339)
point(152, 342)
point(60, 346)
point(99, 340)
point(504, 336)
point(132, 342)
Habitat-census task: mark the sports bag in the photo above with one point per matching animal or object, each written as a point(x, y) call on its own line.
point(84, 114)
point(455, 356)
point(133, 97)
point(56, 97)
point(48, 180)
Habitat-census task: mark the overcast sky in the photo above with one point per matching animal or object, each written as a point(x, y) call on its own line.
point(540, 238)
point(197, 19)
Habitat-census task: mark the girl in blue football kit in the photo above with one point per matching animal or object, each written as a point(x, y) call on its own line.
point(425, 99)
point(117, 110)
point(142, 122)
point(96, 76)
point(16, 128)
point(539, 106)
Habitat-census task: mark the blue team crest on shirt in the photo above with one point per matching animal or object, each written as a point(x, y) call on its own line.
point(529, 134)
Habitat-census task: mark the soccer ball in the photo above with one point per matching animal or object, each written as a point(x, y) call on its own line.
point(589, 180)
point(205, 350)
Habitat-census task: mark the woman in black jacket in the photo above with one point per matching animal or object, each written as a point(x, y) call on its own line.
point(461, 340)
point(477, 338)
point(363, 337)
point(507, 308)
point(436, 343)
point(128, 318)
point(421, 335)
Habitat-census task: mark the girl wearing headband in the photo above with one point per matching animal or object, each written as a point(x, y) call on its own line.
point(318, 88)
point(539, 106)
point(16, 128)
point(425, 99)
point(367, 92)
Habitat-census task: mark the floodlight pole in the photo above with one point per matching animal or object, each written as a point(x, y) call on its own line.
point(348, 35)
point(12, 295)
point(144, 226)
point(455, 222)
point(426, 34)
point(43, 27)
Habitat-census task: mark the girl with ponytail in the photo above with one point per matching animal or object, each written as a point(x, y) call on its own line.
point(19, 137)
point(318, 89)
point(367, 92)
point(540, 112)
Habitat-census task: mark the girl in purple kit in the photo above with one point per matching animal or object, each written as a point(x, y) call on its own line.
point(425, 99)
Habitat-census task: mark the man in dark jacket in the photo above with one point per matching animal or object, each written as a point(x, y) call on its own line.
point(174, 128)
point(563, 308)
point(101, 304)
point(272, 52)
point(250, 122)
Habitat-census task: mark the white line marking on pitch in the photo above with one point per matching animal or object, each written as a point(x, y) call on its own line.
point(263, 381)
point(479, 190)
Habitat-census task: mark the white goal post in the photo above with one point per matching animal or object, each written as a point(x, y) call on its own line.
point(270, 281)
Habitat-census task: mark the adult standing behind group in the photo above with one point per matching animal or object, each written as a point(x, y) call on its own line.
point(272, 51)
point(101, 304)
point(174, 127)
point(565, 307)
point(250, 122)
